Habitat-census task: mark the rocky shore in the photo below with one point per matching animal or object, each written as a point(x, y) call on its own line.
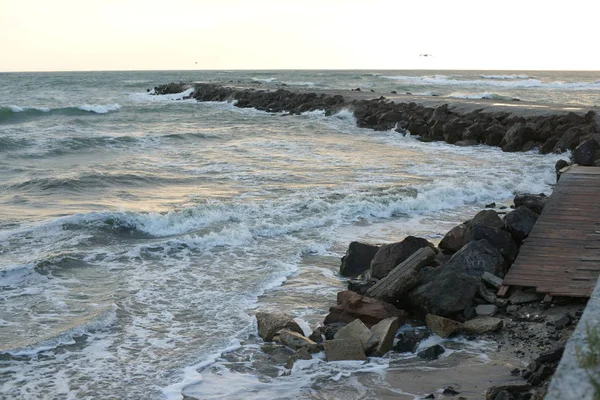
point(442, 290)
point(546, 129)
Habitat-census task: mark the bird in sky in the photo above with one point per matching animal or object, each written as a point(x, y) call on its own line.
point(425, 55)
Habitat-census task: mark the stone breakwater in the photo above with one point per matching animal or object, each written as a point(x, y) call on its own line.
point(512, 130)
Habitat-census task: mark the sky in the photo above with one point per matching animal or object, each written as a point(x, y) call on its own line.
point(71, 35)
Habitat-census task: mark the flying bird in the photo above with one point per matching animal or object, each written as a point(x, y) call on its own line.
point(425, 55)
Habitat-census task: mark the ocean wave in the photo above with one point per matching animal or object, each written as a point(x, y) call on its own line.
point(443, 80)
point(484, 95)
point(150, 97)
point(87, 181)
point(13, 112)
point(512, 76)
point(77, 328)
point(265, 80)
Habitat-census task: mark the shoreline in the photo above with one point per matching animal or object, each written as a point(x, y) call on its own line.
point(517, 128)
point(513, 126)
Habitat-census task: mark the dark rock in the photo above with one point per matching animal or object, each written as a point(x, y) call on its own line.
point(569, 140)
point(494, 134)
point(330, 330)
point(361, 286)
point(452, 131)
point(491, 280)
point(585, 153)
point(549, 145)
point(501, 240)
point(454, 240)
point(408, 341)
point(469, 313)
point(487, 218)
point(516, 137)
point(535, 202)
point(449, 391)
point(493, 391)
point(271, 323)
point(390, 255)
point(431, 353)
point(316, 336)
point(301, 354)
point(520, 222)
point(551, 356)
point(474, 132)
point(357, 259)
point(351, 305)
point(491, 205)
point(477, 257)
point(171, 88)
point(440, 297)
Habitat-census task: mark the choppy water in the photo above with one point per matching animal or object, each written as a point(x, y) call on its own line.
point(138, 233)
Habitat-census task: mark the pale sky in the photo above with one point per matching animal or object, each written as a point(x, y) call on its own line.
point(66, 35)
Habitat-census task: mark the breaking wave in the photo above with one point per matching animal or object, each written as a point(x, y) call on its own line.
point(13, 112)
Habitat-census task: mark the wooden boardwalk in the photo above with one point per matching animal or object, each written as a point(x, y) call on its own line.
point(561, 256)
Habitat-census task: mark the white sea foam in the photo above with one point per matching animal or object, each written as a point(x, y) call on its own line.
point(512, 76)
point(266, 80)
point(99, 108)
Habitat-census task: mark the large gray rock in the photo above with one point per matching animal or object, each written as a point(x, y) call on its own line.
point(516, 137)
point(357, 259)
point(519, 223)
point(585, 153)
point(344, 349)
point(486, 310)
point(443, 327)
point(271, 323)
point(295, 341)
point(403, 278)
point(500, 239)
point(535, 202)
point(355, 330)
point(477, 257)
point(454, 240)
point(390, 255)
point(440, 295)
point(487, 218)
point(351, 305)
point(481, 325)
point(382, 339)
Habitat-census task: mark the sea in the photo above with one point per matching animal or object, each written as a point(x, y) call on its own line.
point(139, 234)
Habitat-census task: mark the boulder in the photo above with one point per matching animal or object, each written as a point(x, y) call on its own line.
point(431, 353)
point(486, 293)
point(569, 140)
point(357, 259)
point(403, 278)
point(440, 297)
point(519, 223)
point(516, 137)
point(271, 323)
point(452, 131)
point(382, 339)
point(330, 330)
point(390, 255)
point(585, 153)
point(560, 164)
point(535, 202)
point(494, 134)
point(344, 349)
point(491, 280)
point(488, 218)
point(479, 325)
point(500, 239)
point(549, 145)
point(355, 330)
point(443, 327)
point(351, 306)
point(477, 257)
point(474, 132)
point(454, 240)
point(295, 341)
